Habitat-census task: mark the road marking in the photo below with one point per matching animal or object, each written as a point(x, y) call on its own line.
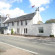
point(19, 48)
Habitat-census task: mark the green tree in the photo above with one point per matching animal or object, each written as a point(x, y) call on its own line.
point(50, 21)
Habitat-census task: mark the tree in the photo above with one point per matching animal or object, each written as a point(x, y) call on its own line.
point(50, 21)
point(40, 22)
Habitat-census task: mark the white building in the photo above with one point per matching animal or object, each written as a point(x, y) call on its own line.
point(30, 24)
point(2, 19)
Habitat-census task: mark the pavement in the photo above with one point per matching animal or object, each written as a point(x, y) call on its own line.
point(9, 50)
point(47, 40)
point(20, 36)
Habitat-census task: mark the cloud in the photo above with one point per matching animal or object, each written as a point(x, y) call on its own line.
point(4, 5)
point(5, 9)
point(40, 3)
point(11, 1)
point(13, 13)
point(42, 9)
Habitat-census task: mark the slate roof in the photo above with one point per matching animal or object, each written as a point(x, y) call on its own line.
point(2, 17)
point(24, 17)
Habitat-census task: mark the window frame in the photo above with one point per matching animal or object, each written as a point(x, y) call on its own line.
point(0, 19)
point(17, 23)
point(21, 22)
point(8, 24)
point(0, 24)
point(25, 30)
point(41, 30)
point(25, 22)
point(18, 30)
point(12, 23)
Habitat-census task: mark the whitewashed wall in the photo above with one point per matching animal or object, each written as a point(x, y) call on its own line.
point(33, 30)
point(21, 27)
point(37, 17)
point(53, 29)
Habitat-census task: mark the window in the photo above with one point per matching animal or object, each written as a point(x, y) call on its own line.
point(8, 24)
point(25, 30)
point(0, 24)
point(17, 30)
point(41, 30)
point(12, 23)
point(0, 16)
point(17, 23)
point(4, 25)
point(0, 20)
point(25, 22)
point(21, 22)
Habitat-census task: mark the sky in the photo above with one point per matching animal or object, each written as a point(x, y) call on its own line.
point(16, 8)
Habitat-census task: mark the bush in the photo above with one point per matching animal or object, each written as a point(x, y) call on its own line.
point(51, 35)
point(12, 31)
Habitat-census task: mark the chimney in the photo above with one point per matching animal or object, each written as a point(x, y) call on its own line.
point(7, 15)
point(37, 9)
point(37, 17)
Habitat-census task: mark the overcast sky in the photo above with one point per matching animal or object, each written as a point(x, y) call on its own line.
point(17, 8)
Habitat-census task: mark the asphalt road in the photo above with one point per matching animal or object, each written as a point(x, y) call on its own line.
point(40, 46)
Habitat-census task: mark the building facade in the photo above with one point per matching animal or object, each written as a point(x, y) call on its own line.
point(2, 26)
point(30, 24)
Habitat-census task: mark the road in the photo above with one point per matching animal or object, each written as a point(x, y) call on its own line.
point(40, 46)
